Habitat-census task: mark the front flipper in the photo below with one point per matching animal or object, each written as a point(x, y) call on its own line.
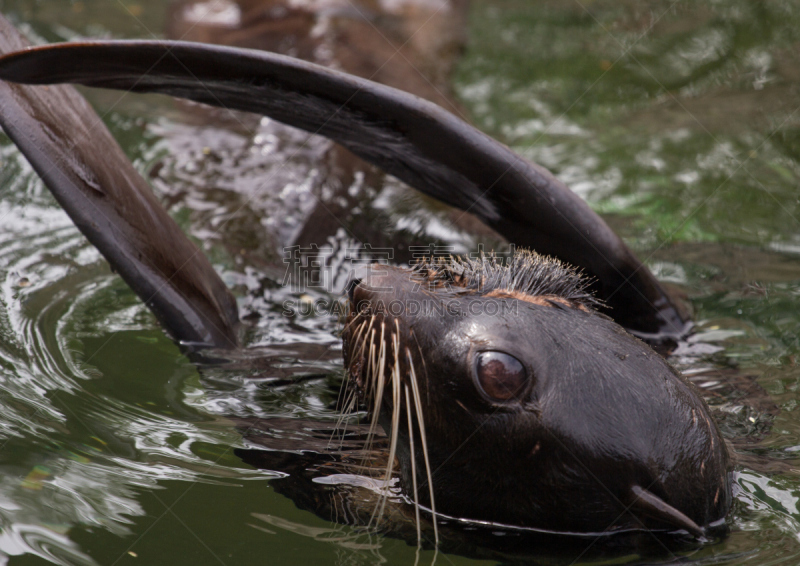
point(92, 179)
point(414, 140)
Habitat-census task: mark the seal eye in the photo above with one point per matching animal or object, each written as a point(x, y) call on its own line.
point(501, 376)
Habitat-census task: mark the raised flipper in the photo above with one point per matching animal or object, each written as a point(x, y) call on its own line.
point(414, 140)
point(92, 179)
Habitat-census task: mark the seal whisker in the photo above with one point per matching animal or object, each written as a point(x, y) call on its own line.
point(423, 440)
point(357, 334)
point(358, 340)
point(395, 413)
point(395, 385)
point(373, 378)
point(367, 376)
point(347, 393)
point(359, 316)
point(422, 359)
point(413, 465)
point(349, 407)
point(372, 360)
point(344, 390)
point(381, 373)
point(360, 353)
point(380, 379)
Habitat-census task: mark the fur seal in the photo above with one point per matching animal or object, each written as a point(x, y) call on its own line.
point(576, 424)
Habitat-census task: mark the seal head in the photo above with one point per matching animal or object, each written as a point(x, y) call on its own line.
point(511, 400)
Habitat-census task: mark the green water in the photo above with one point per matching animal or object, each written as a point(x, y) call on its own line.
point(678, 121)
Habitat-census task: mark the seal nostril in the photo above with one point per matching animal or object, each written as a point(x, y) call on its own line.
point(351, 288)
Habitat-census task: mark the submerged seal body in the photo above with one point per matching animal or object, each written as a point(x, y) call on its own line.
point(528, 407)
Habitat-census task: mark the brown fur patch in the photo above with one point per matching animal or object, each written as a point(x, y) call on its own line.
point(541, 300)
point(437, 279)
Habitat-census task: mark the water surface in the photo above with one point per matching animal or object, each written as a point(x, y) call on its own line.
point(678, 121)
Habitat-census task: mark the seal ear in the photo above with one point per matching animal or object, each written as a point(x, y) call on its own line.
point(92, 179)
point(649, 507)
point(412, 139)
